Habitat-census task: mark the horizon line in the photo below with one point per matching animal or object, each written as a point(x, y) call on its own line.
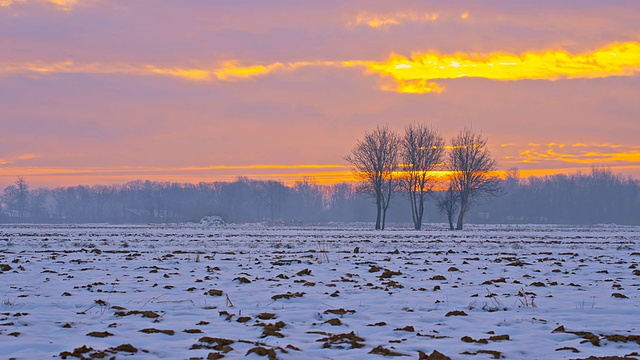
point(326, 174)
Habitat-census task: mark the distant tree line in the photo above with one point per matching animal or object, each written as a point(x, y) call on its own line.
point(592, 198)
point(240, 201)
point(598, 197)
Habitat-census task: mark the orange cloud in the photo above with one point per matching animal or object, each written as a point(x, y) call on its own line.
point(28, 157)
point(580, 153)
point(19, 158)
point(232, 71)
point(401, 74)
point(385, 20)
point(525, 173)
point(188, 74)
point(621, 59)
point(228, 71)
point(63, 5)
point(72, 67)
point(420, 86)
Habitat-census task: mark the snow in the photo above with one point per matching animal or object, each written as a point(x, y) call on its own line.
point(67, 281)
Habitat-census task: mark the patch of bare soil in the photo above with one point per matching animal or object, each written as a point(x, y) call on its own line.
point(272, 329)
point(588, 336)
point(157, 331)
point(85, 353)
point(146, 313)
point(435, 355)
point(494, 353)
point(288, 295)
point(218, 344)
point(339, 311)
point(340, 341)
point(456, 313)
point(100, 334)
point(380, 350)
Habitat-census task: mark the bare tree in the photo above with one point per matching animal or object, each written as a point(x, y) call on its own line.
point(23, 195)
point(375, 160)
point(422, 152)
point(309, 200)
point(472, 168)
point(16, 197)
point(273, 194)
point(447, 202)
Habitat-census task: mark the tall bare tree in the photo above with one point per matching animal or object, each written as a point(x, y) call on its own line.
point(375, 161)
point(472, 168)
point(422, 151)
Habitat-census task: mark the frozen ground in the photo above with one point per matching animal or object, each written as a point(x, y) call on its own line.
point(334, 292)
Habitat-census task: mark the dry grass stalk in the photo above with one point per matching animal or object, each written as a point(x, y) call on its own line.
point(229, 302)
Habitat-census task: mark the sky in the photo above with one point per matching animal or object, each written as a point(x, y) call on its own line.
point(106, 91)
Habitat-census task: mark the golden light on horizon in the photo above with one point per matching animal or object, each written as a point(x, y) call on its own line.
point(288, 174)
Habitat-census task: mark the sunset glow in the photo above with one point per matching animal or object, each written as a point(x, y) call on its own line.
point(289, 174)
point(596, 154)
point(103, 91)
point(64, 5)
point(384, 20)
point(414, 74)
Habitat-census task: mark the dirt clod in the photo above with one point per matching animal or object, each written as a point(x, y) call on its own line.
point(157, 331)
point(379, 350)
point(100, 334)
point(435, 355)
point(456, 313)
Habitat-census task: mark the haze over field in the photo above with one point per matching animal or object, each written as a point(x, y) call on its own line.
point(102, 91)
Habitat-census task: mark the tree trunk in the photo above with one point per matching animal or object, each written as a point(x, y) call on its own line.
point(417, 209)
point(386, 201)
point(464, 203)
point(378, 211)
point(459, 224)
point(384, 217)
point(419, 213)
point(450, 217)
point(412, 200)
point(461, 217)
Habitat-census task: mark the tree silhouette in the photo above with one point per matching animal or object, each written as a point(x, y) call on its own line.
point(375, 160)
point(472, 168)
point(422, 151)
point(447, 202)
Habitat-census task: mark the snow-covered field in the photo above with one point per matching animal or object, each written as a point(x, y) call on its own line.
point(334, 292)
